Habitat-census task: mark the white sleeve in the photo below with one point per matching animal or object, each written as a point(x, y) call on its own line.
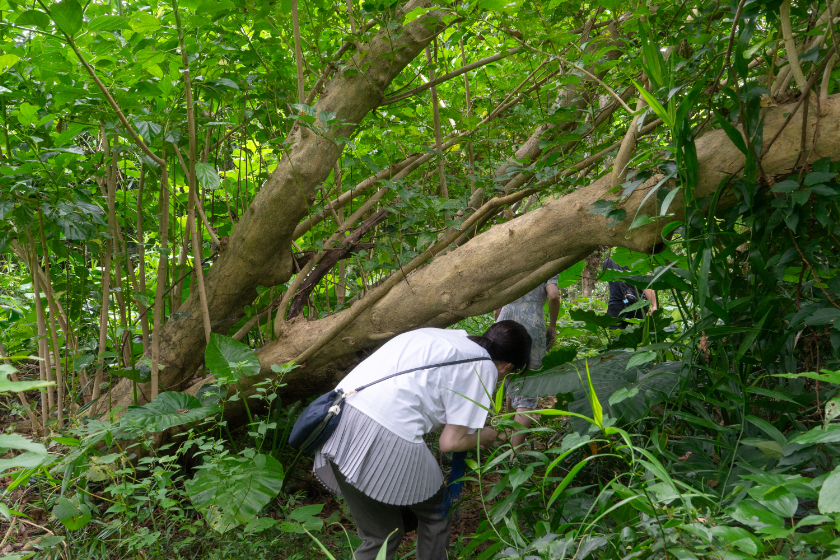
point(469, 395)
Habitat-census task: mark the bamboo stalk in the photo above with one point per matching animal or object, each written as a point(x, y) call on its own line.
point(59, 376)
point(142, 309)
point(106, 285)
point(163, 208)
point(43, 353)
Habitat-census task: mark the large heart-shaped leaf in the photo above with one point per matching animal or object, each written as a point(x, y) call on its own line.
point(72, 514)
point(167, 410)
point(229, 359)
point(67, 16)
point(231, 492)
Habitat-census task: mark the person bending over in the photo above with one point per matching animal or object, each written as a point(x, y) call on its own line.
point(377, 458)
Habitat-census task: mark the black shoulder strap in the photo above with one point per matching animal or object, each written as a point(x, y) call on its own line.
point(424, 367)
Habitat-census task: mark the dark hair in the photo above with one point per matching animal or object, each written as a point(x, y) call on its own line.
point(507, 341)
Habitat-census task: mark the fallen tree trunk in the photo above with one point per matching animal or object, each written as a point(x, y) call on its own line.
point(511, 259)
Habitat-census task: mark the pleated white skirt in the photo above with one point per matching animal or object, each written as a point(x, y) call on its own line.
point(377, 462)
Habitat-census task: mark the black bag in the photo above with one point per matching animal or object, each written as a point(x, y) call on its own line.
point(319, 420)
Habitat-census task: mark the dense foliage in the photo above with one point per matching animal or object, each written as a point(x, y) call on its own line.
point(138, 138)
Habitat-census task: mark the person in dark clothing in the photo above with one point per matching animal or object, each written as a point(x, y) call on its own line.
point(623, 295)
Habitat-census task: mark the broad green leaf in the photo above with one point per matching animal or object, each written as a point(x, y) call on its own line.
point(27, 114)
point(17, 441)
point(828, 434)
point(622, 395)
point(229, 359)
point(817, 177)
point(168, 409)
point(28, 460)
point(207, 176)
point(7, 61)
point(829, 501)
point(33, 18)
point(18, 386)
point(67, 16)
point(780, 501)
point(639, 358)
point(755, 517)
point(231, 492)
point(107, 23)
point(72, 514)
point(144, 23)
point(518, 477)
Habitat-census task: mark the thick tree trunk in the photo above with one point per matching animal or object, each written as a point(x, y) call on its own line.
point(511, 259)
point(258, 250)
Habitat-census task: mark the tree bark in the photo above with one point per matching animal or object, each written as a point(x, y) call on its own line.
point(258, 250)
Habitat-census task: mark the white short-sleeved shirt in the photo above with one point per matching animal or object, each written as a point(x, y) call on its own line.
point(414, 404)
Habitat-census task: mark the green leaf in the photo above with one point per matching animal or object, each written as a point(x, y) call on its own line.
point(18, 386)
point(780, 501)
point(222, 351)
point(655, 105)
point(829, 434)
point(7, 61)
point(207, 176)
point(67, 16)
point(144, 23)
point(33, 18)
point(639, 358)
point(168, 409)
point(232, 491)
point(817, 177)
point(640, 220)
point(107, 23)
point(73, 515)
point(767, 428)
point(518, 477)
point(829, 501)
point(622, 395)
point(785, 186)
point(27, 114)
point(755, 517)
point(28, 460)
point(597, 410)
point(17, 441)
point(733, 133)
point(592, 319)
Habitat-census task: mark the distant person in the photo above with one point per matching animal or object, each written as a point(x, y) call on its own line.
point(623, 295)
point(377, 457)
point(528, 311)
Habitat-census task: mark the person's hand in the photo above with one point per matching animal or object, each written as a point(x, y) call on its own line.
point(550, 337)
point(487, 437)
